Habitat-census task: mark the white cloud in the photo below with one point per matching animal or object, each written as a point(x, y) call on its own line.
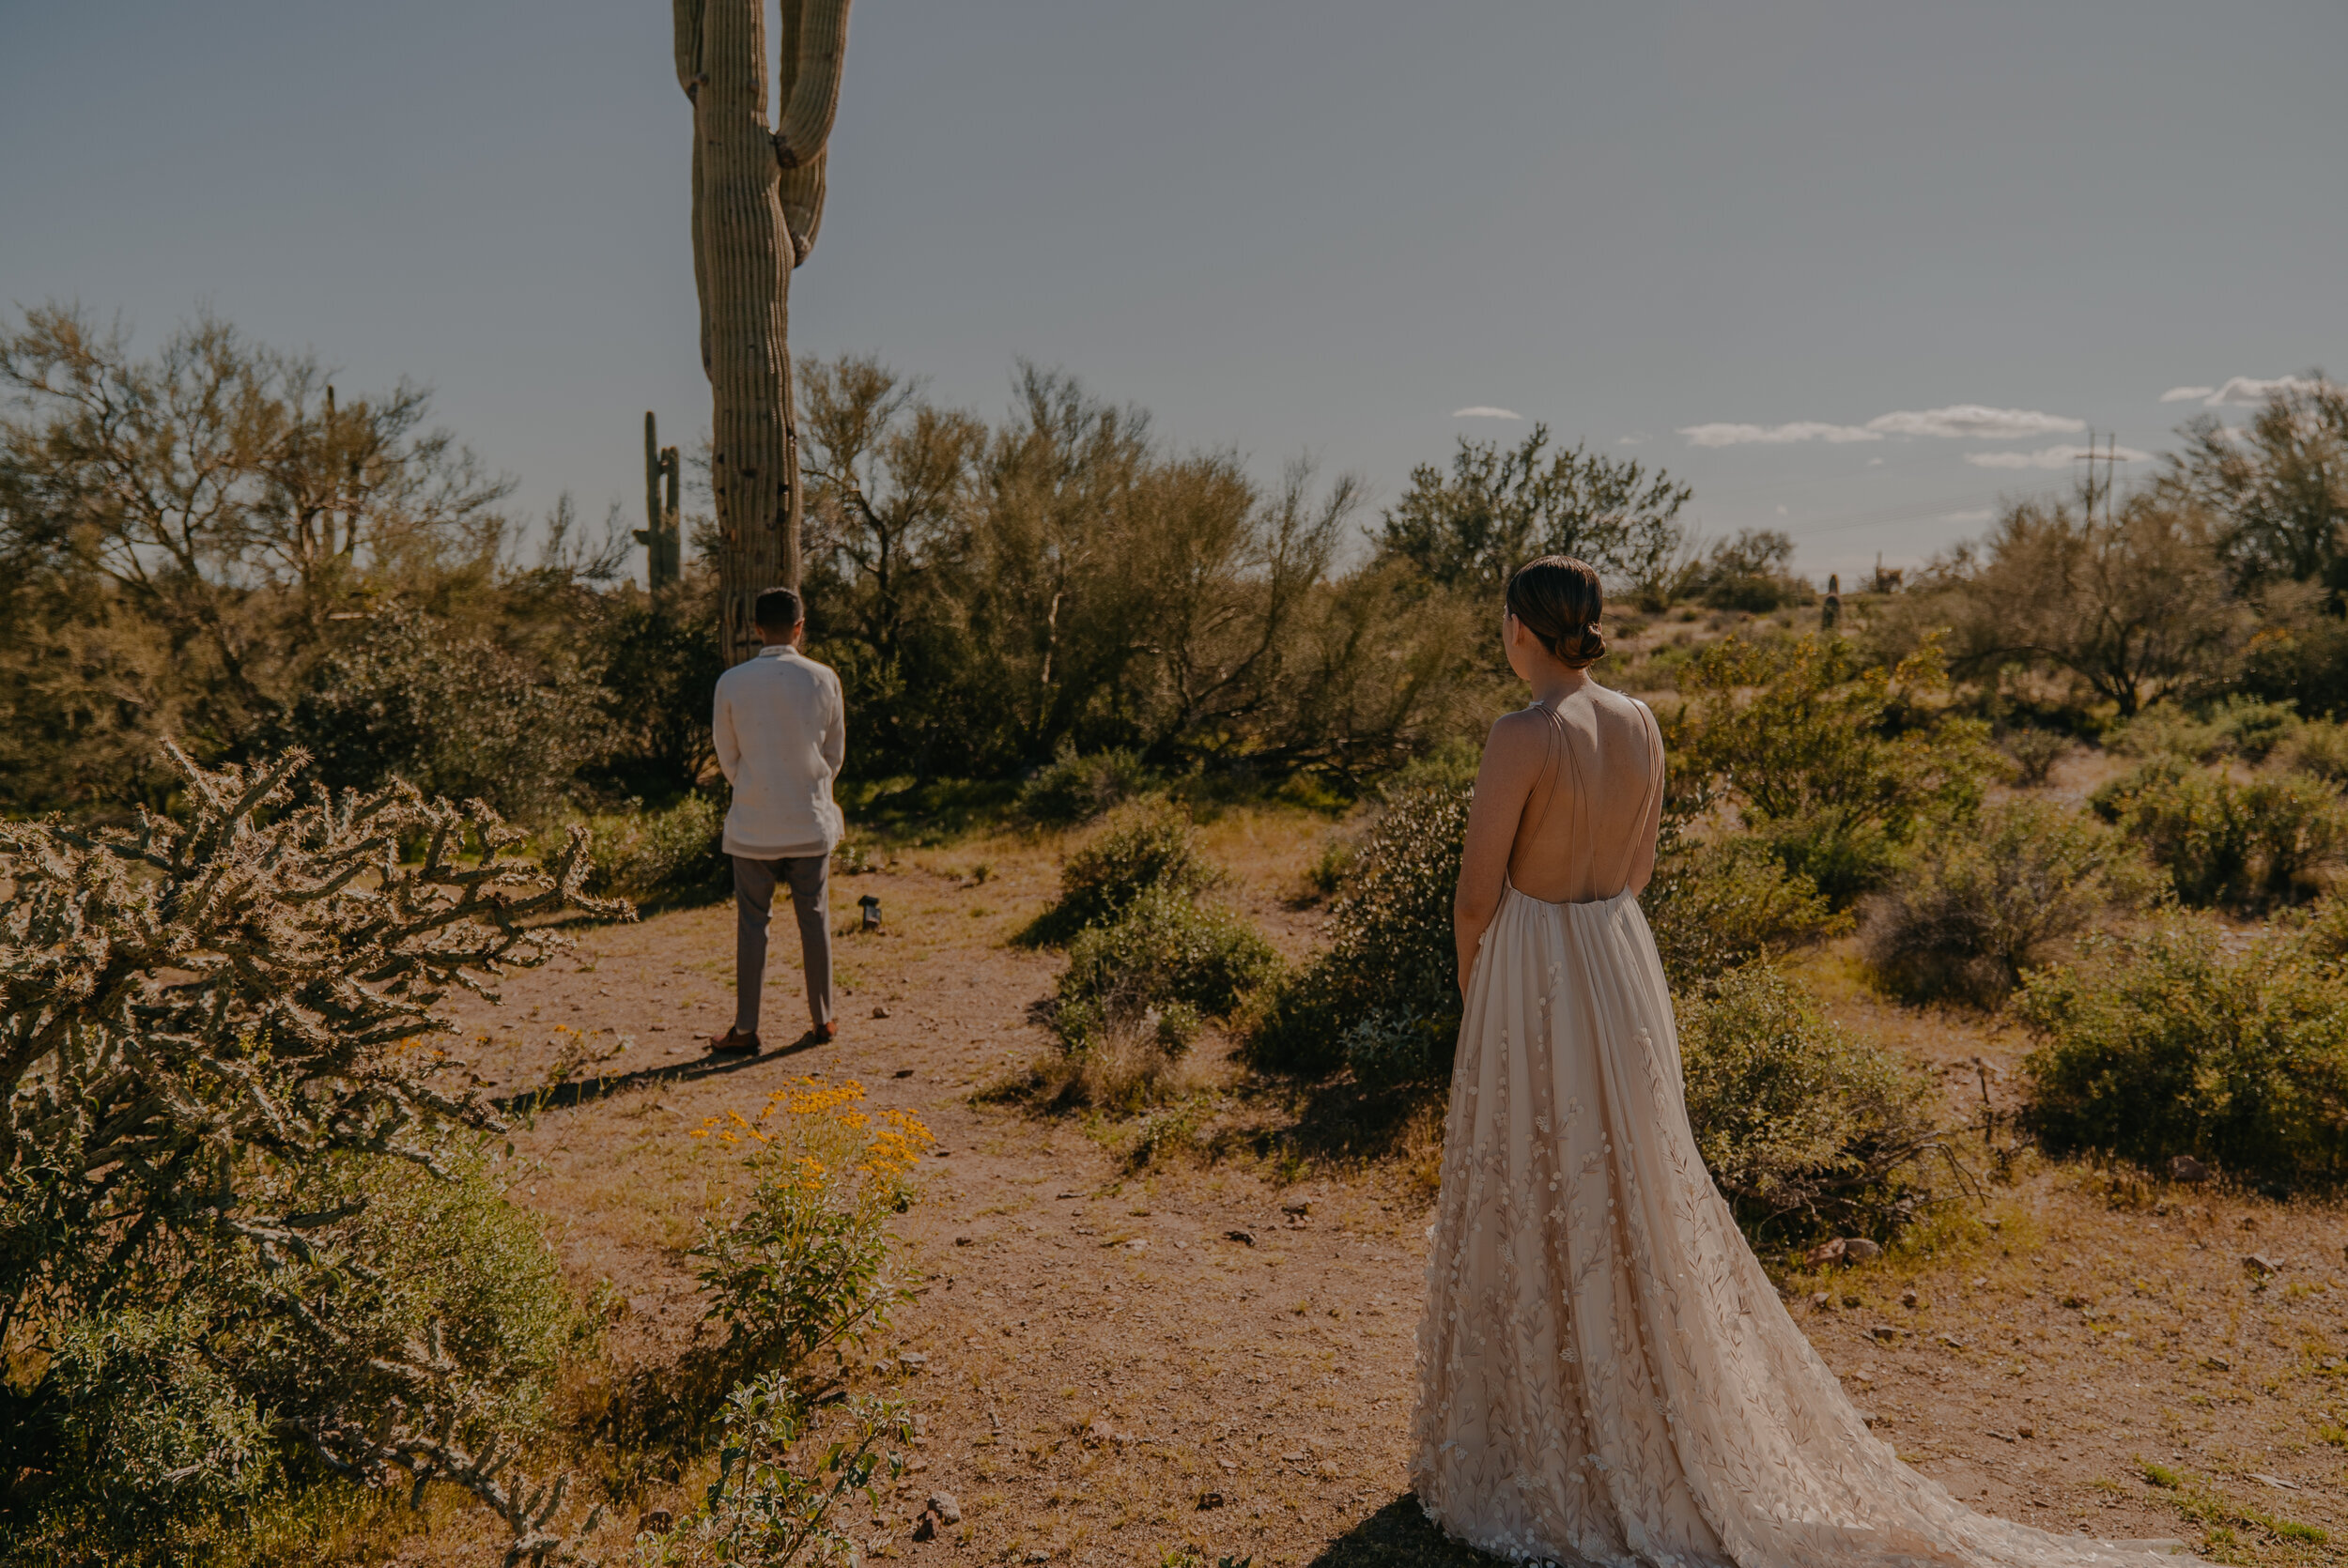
point(1875, 462)
point(2052, 458)
point(1781, 512)
point(1773, 435)
point(1485, 410)
point(1981, 514)
point(1636, 438)
point(1957, 421)
point(1974, 419)
point(2185, 394)
point(2244, 391)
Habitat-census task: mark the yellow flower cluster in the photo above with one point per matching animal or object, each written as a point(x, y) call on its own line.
point(882, 1145)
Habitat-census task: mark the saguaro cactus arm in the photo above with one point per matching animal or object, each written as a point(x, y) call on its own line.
point(687, 17)
point(803, 205)
point(811, 92)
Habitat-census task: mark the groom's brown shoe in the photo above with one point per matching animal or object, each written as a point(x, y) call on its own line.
point(825, 1033)
point(734, 1043)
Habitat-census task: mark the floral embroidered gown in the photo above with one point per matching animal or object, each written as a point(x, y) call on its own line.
point(1605, 1374)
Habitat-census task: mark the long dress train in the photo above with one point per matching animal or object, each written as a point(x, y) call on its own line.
point(1605, 1374)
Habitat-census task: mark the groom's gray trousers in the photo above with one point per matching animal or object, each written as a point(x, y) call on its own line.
point(809, 877)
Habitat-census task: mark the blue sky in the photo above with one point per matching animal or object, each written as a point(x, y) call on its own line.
point(1779, 248)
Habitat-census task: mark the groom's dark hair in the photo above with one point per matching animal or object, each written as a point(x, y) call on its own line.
point(1560, 600)
point(778, 609)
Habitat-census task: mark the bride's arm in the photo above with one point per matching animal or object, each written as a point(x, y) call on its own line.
point(1512, 759)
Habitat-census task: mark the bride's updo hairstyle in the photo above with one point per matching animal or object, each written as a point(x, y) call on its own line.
point(1559, 601)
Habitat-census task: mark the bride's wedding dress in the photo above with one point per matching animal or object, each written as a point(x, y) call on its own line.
point(1605, 1374)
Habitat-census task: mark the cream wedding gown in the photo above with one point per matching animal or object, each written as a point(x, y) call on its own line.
point(1605, 1374)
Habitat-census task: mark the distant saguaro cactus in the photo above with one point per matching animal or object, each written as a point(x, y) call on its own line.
point(661, 536)
point(757, 194)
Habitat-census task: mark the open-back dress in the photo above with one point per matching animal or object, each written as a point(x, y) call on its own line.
point(1605, 1374)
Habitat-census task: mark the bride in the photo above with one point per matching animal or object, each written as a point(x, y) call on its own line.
point(1605, 1374)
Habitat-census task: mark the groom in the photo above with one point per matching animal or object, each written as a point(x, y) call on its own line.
point(781, 733)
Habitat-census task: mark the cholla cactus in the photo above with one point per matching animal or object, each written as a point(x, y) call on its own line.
point(259, 980)
point(758, 196)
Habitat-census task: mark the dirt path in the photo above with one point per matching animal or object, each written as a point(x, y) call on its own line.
point(1106, 1375)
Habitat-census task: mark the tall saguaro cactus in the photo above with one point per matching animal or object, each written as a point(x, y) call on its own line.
point(757, 194)
point(662, 532)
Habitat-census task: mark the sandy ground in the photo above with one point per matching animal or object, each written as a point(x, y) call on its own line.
point(1106, 1374)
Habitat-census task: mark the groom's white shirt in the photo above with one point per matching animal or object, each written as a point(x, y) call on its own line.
point(781, 732)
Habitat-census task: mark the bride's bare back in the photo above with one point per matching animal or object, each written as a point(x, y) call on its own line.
point(1567, 802)
point(1587, 830)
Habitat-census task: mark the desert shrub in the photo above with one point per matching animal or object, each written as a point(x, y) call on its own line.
point(1988, 899)
point(2226, 843)
point(1752, 572)
point(2250, 727)
point(665, 858)
point(786, 1473)
point(2255, 728)
point(2165, 729)
point(2033, 753)
point(142, 1436)
point(2164, 1043)
point(1144, 845)
point(163, 1420)
point(1166, 951)
point(2319, 748)
point(1715, 903)
point(1072, 788)
point(800, 1271)
point(2303, 662)
point(799, 1275)
point(1391, 956)
point(1803, 1128)
point(1136, 991)
point(1388, 1046)
point(214, 1081)
point(454, 715)
point(1830, 760)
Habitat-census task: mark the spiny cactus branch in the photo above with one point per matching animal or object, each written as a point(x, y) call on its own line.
point(258, 978)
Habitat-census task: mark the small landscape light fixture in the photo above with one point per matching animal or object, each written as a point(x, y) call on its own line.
point(869, 904)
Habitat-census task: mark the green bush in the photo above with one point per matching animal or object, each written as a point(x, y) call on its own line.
point(2254, 727)
point(1715, 903)
point(158, 1425)
point(2165, 1044)
point(1074, 789)
point(2033, 753)
point(1986, 900)
point(662, 859)
point(1144, 845)
point(2320, 749)
point(2165, 729)
point(453, 714)
point(2226, 843)
point(1166, 955)
point(2250, 727)
point(1803, 1128)
point(1830, 760)
point(1392, 963)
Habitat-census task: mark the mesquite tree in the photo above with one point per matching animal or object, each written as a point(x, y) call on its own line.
point(757, 194)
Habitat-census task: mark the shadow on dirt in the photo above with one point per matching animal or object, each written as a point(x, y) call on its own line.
point(578, 1091)
point(1337, 1121)
point(1398, 1536)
